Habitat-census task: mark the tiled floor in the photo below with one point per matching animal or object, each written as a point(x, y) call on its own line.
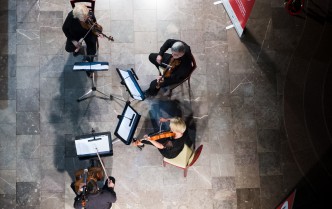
point(236, 106)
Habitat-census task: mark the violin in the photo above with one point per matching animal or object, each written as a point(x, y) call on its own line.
point(169, 69)
point(96, 29)
point(173, 63)
point(167, 134)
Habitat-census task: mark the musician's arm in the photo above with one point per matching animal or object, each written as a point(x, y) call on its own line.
point(67, 25)
point(168, 44)
point(66, 28)
point(155, 143)
point(163, 120)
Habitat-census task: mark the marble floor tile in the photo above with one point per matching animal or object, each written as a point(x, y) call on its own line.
point(248, 198)
point(27, 194)
point(8, 183)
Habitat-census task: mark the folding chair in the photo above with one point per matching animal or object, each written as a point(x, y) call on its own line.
point(185, 159)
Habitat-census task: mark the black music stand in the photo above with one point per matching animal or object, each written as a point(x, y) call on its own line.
point(92, 67)
point(127, 125)
point(129, 79)
point(86, 145)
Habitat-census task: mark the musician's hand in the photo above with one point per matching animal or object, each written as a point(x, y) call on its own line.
point(77, 45)
point(100, 35)
point(163, 120)
point(159, 58)
point(146, 137)
point(160, 79)
point(137, 143)
point(110, 184)
point(80, 187)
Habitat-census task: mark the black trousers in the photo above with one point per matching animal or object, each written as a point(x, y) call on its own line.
point(153, 90)
point(91, 45)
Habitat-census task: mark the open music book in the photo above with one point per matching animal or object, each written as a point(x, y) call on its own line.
point(95, 66)
point(128, 78)
point(86, 145)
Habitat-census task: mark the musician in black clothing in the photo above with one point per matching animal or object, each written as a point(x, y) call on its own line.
point(96, 198)
point(169, 147)
point(180, 62)
point(75, 32)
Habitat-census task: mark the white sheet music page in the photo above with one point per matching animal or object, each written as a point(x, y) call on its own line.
point(96, 66)
point(130, 85)
point(88, 145)
point(124, 129)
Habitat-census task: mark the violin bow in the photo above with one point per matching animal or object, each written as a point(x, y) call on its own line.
point(102, 164)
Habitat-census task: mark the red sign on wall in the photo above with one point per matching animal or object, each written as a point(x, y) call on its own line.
point(239, 12)
point(288, 203)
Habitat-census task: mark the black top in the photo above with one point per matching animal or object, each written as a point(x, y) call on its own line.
point(173, 147)
point(102, 200)
point(184, 68)
point(73, 29)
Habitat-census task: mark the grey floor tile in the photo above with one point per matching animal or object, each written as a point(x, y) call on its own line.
point(28, 194)
point(8, 134)
point(28, 123)
point(8, 201)
point(27, 100)
point(28, 170)
point(8, 183)
point(28, 146)
point(8, 157)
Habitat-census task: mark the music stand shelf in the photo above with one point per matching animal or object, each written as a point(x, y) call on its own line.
point(92, 67)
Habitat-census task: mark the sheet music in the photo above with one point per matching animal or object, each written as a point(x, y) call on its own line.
point(91, 66)
point(126, 124)
point(88, 145)
point(131, 85)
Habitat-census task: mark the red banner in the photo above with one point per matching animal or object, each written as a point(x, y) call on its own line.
point(242, 9)
point(239, 12)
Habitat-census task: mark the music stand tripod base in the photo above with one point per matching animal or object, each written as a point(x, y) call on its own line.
point(92, 90)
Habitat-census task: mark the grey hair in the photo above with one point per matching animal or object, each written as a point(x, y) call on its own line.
point(80, 11)
point(178, 47)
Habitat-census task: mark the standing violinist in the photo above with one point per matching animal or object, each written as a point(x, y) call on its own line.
point(171, 144)
point(179, 64)
point(75, 28)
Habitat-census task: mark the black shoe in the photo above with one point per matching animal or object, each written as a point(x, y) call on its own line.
point(147, 94)
point(75, 54)
point(140, 147)
point(89, 74)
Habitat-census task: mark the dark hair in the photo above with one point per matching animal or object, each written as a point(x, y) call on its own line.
point(92, 187)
